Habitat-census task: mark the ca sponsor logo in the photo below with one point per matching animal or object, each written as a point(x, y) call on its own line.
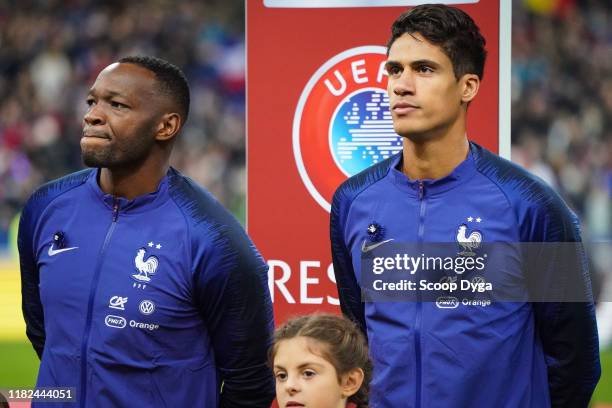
point(447, 302)
point(117, 322)
point(448, 279)
point(117, 302)
point(146, 307)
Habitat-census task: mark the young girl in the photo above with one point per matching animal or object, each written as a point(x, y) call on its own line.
point(320, 361)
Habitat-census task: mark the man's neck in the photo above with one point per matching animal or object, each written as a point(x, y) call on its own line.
point(131, 183)
point(434, 158)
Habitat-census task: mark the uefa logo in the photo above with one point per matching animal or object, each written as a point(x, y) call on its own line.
point(342, 123)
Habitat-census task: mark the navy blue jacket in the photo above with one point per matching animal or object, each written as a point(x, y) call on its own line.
point(157, 301)
point(505, 354)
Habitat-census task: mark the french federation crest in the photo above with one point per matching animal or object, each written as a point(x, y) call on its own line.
point(342, 122)
point(145, 265)
point(468, 242)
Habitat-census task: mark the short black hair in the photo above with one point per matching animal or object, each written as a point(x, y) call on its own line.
point(452, 29)
point(171, 79)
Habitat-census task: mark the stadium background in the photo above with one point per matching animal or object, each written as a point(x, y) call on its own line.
point(51, 51)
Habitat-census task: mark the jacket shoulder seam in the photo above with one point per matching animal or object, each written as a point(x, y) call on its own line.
point(501, 190)
point(188, 228)
point(354, 199)
point(363, 188)
point(34, 200)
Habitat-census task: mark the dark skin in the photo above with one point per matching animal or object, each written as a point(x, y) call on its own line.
point(129, 130)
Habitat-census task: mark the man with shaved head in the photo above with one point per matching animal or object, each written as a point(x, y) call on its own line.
point(139, 288)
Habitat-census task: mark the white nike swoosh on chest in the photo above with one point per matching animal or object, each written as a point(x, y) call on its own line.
point(53, 252)
point(367, 248)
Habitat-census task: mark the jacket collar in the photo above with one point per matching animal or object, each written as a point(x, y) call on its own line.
point(141, 203)
point(464, 171)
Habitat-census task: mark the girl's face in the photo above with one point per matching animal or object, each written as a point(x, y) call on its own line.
point(305, 379)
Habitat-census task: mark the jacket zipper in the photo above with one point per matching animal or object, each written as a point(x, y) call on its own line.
point(419, 305)
point(92, 295)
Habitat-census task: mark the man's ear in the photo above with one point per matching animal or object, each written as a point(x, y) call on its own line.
point(351, 382)
point(469, 87)
point(168, 127)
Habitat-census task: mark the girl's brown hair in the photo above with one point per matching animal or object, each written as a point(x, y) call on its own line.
point(345, 346)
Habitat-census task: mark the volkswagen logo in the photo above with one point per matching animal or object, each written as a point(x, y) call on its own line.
point(146, 307)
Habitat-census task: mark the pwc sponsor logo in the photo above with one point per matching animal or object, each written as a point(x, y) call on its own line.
point(117, 322)
point(447, 302)
point(342, 123)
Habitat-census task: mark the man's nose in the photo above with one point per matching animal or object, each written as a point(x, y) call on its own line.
point(94, 116)
point(404, 84)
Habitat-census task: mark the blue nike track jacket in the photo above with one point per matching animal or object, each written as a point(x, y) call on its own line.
point(507, 354)
point(160, 301)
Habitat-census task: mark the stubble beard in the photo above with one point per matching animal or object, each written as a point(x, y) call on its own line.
point(96, 158)
point(109, 157)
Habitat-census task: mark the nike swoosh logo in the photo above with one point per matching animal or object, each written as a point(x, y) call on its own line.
point(367, 248)
point(53, 252)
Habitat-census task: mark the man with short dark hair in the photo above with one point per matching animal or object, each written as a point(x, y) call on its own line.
point(139, 288)
point(442, 188)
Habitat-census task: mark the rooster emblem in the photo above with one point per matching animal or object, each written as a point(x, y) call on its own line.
point(145, 267)
point(468, 243)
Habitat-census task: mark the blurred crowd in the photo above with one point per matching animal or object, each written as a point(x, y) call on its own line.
point(562, 102)
point(562, 118)
point(52, 51)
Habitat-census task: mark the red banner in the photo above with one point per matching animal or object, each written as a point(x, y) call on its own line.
point(317, 113)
